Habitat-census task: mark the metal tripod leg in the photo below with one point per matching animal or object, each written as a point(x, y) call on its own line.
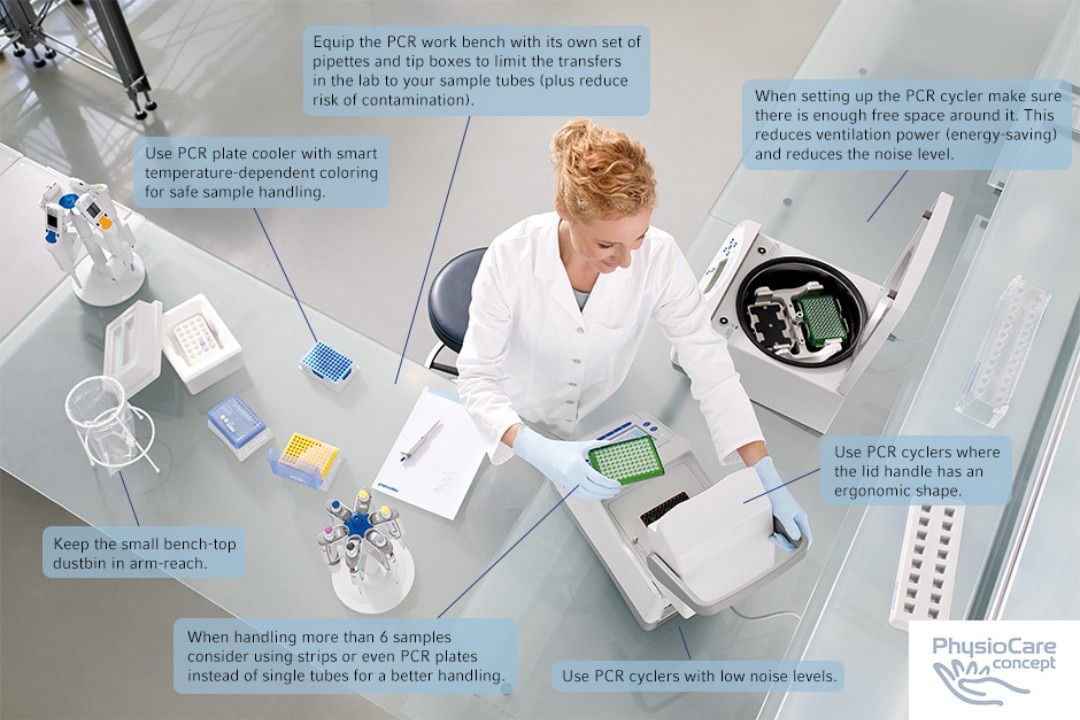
point(117, 36)
point(23, 25)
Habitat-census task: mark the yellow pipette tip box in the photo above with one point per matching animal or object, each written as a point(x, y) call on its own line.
point(310, 450)
point(307, 460)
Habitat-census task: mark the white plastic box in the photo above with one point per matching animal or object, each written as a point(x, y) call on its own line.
point(198, 344)
point(133, 346)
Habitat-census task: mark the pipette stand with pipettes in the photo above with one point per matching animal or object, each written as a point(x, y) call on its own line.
point(371, 569)
point(83, 217)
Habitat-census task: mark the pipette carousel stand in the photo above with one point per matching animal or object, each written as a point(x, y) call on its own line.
point(371, 569)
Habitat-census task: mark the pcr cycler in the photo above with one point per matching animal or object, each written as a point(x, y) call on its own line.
point(679, 543)
point(802, 330)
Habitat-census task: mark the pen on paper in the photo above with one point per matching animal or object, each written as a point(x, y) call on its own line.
point(406, 454)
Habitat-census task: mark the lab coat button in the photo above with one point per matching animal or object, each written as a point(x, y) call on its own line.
point(577, 361)
point(572, 384)
point(569, 402)
point(581, 331)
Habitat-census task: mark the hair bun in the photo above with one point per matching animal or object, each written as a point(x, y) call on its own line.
point(600, 173)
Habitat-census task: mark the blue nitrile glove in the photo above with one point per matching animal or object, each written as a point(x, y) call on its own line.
point(784, 507)
point(564, 464)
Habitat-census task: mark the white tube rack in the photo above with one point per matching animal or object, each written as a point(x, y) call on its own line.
point(926, 575)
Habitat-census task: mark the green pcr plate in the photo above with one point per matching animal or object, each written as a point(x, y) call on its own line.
point(822, 318)
point(628, 461)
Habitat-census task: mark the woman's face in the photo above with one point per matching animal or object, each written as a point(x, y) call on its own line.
point(605, 245)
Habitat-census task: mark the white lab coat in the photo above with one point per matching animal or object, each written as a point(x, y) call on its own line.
point(530, 355)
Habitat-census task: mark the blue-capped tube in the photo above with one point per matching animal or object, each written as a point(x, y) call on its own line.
point(338, 509)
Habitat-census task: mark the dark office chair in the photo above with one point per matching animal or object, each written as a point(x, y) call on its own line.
point(448, 305)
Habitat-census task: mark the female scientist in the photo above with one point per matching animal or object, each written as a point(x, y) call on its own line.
point(559, 308)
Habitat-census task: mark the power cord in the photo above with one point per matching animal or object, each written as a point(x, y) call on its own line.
point(767, 616)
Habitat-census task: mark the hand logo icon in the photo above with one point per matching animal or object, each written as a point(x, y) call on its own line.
point(973, 685)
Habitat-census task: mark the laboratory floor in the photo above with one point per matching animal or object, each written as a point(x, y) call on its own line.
point(232, 67)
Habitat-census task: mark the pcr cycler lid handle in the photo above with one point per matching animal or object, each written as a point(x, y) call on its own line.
point(671, 581)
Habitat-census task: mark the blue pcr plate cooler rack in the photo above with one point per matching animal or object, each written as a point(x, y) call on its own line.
point(328, 365)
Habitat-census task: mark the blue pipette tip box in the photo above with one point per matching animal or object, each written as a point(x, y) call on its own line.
point(328, 365)
point(238, 426)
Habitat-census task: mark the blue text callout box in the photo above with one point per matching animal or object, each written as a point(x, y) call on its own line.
point(916, 470)
point(677, 676)
point(907, 124)
point(124, 551)
point(262, 172)
point(476, 70)
point(370, 656)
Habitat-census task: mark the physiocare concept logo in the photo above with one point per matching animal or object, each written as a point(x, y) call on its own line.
point(1002, 669)
point(972, 683)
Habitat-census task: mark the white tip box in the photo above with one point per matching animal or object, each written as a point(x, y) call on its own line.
point(198, 344)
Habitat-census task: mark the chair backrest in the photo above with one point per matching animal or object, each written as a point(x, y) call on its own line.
point(450, 295)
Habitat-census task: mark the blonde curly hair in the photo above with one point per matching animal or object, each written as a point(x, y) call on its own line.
point(600, 174)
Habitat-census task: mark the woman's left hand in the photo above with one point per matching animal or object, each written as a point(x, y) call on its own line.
point(786, 510)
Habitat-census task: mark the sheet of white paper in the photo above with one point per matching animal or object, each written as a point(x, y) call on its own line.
point(437, 476)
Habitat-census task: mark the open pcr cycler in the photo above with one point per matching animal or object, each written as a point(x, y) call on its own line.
point(679, 543)
point(801, 330)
